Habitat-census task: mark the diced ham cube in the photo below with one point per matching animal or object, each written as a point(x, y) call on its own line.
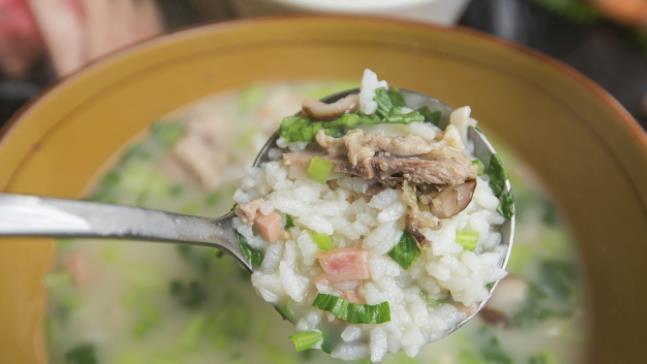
point(345, 264)
point(270, 226)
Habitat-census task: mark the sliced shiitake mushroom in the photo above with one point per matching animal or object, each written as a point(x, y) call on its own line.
point(318, 110)
point(452, 200)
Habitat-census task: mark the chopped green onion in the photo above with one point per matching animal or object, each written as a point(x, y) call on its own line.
point(81, 354)
point(285, 312)
point(468, 239)
point(405, 251)
point(353, 312)
point(213, 198)
point(253, 256)
point(319, 169)
point(480, 168)
point(289, 222)
point(305, 340)
point(190, 294)
point(323, 241)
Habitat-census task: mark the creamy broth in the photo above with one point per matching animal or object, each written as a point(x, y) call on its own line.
point(133, 302)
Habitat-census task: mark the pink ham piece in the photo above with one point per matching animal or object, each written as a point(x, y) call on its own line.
point(270, 226)
point(345, 264)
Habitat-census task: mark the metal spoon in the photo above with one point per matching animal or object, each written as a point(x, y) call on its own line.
point(25, 215)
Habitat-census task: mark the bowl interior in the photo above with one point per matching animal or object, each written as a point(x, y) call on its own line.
point(587, 149)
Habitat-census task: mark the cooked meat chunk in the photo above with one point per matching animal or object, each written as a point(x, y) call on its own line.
point(318, 110)
point(417, 219)
point(269, 227)
point(358, 148)
point(386, 169)
point(247, 211)
point(335, 147)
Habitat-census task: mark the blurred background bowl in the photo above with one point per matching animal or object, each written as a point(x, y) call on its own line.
point(589, 152)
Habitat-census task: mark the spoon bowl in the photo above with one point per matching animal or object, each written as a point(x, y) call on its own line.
point(27, 215)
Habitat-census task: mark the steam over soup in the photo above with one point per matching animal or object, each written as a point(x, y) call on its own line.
point(126, 302)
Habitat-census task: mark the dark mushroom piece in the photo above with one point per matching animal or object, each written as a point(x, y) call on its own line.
point(318, 110)
point(452, 200)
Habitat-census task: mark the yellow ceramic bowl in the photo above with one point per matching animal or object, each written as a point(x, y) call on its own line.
point(587, 149)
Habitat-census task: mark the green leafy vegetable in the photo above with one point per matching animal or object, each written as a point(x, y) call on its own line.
point(390, 105)
point(431, 116)
point(468, 239)
point(168, 132)
point(480, 168)
point(298, 129)
point(305, 340)
point(289, 222)
point(390, 110)
point(190, 294)
point(323, 241)
point(81, 354)
point(405, 251)
point(506, 205)
point(560, 278)
point(254, 256)
point(488, 349)
point(498, 176)
point(319, 169)
point(353, 312)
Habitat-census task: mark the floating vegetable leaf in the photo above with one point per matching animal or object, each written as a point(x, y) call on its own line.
point(405, 251)
point(190, 294)
point(353, 312)
point(168, 132)
point(305, 340)
point(253, 256)
point(430, 116)
point(81, 354)
point(543, 358)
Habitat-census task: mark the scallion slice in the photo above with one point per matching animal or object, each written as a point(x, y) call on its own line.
point(254, 256)
point(319, 169)
point(323, 241)
point(353, 312)
point(305, 340)
point(468, 239)
point(406, 251)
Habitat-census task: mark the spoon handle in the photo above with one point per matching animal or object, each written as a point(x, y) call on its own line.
point(26, 215)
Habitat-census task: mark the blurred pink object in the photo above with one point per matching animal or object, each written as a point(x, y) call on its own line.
point(79, 31)
point(20, 41)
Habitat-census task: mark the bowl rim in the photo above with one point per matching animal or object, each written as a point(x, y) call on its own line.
point(636, 131)
point(351, 6)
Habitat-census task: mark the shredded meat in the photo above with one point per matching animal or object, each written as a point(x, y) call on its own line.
point(417, 219)
point(335, 147)
point(318, 110)
point(247, 211)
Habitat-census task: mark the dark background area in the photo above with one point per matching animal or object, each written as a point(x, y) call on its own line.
point(612, 55)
